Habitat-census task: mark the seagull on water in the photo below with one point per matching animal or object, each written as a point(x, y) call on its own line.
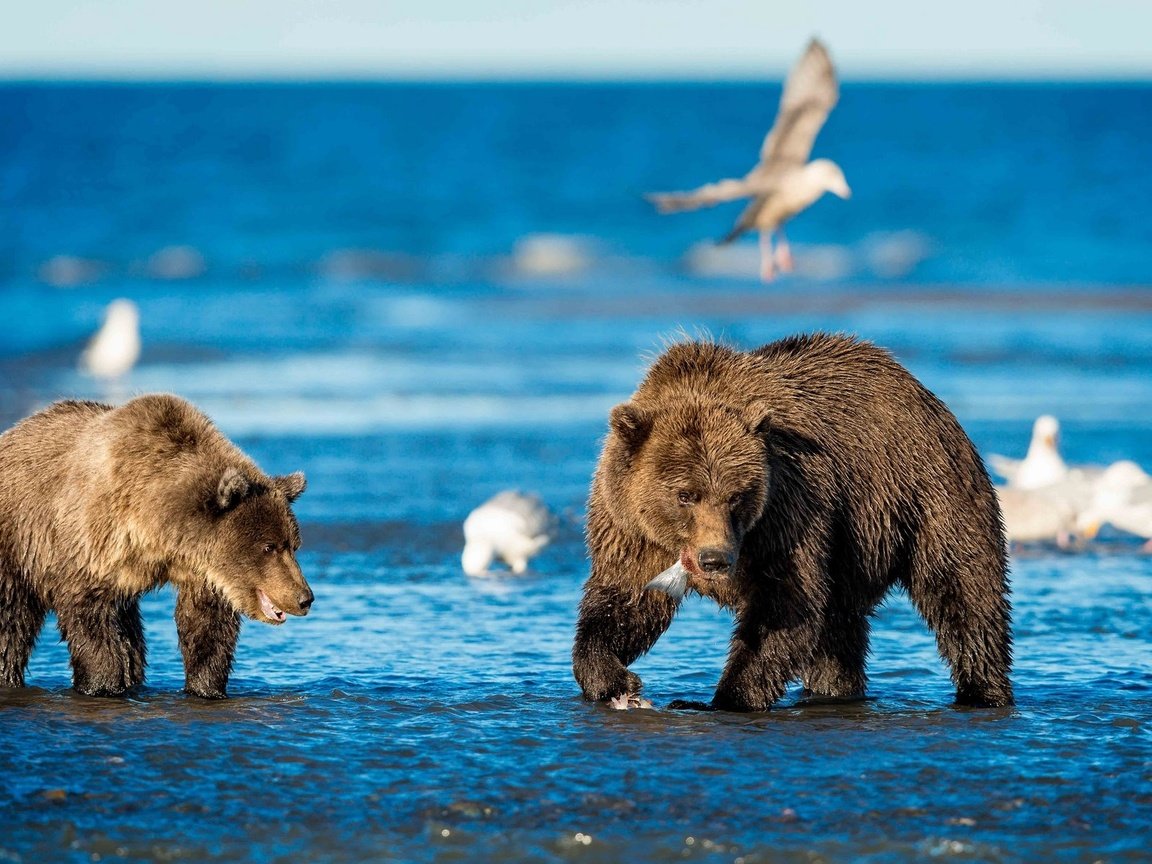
point(510, 526)
point(784, 182)
point(116, 346)
point(1123, 499)
point(1042, 466)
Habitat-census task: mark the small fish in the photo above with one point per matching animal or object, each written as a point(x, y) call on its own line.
point(673, 581)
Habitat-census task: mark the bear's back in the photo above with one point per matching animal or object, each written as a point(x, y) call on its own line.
point(158, 432)
point(869, 435)
point(32, 451)
point(819, 378)
point(87, 486)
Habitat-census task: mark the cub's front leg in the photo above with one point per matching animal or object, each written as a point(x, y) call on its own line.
point(208, 629)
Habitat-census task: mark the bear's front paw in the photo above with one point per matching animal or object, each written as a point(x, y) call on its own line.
point(606, 678)
point(689, 705)
point(204, 692)
point(90, 689)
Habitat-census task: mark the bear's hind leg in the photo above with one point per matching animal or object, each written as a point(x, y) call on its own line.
point(132, 628)
point(208, 629)
point(837, 667)
point(106, 643)
point(762, 660)
point(969, 612)
point(21, 619)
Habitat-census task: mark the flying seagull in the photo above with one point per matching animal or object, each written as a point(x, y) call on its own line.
point(784, 183)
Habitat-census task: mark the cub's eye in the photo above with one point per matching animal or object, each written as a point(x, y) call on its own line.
point(686, 497)
point(269, 548)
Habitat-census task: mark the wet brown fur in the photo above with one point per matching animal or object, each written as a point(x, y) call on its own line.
point(99, 505)
point(826, 475)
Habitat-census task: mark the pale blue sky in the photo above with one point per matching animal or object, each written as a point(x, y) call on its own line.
point(572, 38)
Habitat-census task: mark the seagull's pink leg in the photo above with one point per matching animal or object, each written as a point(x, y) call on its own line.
point(783, 253)
point(1147, 547)
point(767, 273)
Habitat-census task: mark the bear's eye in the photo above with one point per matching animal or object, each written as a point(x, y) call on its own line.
point(735, 501)
point(686, 497)
point(269, 548)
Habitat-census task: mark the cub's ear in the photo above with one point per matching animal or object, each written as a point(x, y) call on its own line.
point(232, 489)
point(292, 485)
point(631, 424)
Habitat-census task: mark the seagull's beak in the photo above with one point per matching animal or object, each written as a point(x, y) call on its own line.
point(1089, 529)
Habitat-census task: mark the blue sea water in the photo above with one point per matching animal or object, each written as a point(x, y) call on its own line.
point(423, 294)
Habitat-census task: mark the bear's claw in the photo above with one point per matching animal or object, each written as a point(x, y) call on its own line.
point(628, 700)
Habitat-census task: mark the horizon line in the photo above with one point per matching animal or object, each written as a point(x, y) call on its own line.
point(732, 75)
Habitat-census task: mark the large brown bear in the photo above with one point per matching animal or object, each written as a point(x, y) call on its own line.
point(99, 505)
point(797, 484)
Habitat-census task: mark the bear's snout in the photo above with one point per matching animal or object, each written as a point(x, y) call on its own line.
point(305, 600)
point(714, 560)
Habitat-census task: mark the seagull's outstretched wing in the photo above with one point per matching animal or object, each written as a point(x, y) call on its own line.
point(708, 195)
point(810, 93)
point(747, 220)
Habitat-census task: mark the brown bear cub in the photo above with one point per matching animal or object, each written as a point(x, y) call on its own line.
point(99, 505)
point(796, 484)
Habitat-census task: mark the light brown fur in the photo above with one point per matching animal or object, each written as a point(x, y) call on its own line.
point(99, 505)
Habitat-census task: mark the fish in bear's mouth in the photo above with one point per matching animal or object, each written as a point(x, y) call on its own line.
point(270, 609)
point(674, 580)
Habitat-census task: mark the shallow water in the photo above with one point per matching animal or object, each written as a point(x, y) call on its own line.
point(417, 714)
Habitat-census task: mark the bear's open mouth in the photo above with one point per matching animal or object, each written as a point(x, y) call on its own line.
point(270, 609)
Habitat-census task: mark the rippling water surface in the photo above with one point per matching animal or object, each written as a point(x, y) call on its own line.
point(348, 297)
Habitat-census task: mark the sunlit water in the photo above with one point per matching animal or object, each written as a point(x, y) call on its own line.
point(420, 714)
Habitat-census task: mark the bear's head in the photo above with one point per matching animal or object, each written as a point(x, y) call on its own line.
point(251, 556)
point(692, 476)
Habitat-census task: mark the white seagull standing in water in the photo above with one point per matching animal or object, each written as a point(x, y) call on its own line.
point(1123, 499)
point(784, 183)
point(510, 526)
point(116, 346)
point(1042, 466)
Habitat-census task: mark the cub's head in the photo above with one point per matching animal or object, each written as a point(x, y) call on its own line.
point(253, 543)
point(692, 477)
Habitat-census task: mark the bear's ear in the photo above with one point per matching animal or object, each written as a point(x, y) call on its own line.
point(292, 485)
point(631, 424)
point(759, 420)
point(232, 489)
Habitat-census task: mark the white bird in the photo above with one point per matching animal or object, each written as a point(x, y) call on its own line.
point(1123, 499)
point(1039, 515)
point(510, 526)
point(784, 182)
point(116, 346)
point(1042, 466)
